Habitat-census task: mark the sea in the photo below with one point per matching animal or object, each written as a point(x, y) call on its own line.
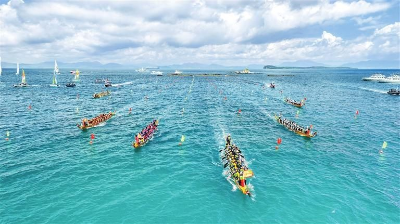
point(50, 172)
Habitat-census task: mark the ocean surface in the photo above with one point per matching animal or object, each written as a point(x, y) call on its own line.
point(50, 173)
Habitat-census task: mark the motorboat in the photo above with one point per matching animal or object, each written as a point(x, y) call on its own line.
point(374, 77)
point(395, 92)
point(71, 84)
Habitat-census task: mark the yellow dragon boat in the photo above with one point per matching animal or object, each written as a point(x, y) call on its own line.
point(101, 94)
point(86, 124)
point(237, 165)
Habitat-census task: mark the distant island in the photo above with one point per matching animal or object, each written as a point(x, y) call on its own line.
point(310, 67)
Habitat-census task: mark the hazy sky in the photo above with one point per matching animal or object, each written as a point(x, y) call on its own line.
point(222, 32)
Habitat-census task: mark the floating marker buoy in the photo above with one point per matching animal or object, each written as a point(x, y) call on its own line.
point(130, 110)
point(239, 111)
point(279, 141)
point(7, 135)
point(29, 107)
point(91, 138)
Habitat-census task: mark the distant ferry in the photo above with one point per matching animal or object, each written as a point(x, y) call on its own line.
point(245, 71)
point(374, 77)
point(391, 79)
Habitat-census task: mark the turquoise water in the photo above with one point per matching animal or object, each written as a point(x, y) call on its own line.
point(49, 173)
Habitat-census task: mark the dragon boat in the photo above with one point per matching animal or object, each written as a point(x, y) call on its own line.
point(292, 126)
point(237, 166)
point(86, 124)
point(101, 94)
point(294, 102)
point(145, 135)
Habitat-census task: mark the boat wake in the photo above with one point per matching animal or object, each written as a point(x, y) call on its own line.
point(123, 84)
point(374, 90)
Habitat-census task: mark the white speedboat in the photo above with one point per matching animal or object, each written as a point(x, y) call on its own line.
point(391, 79)
point(176, 72)
point(158, 73)
point(374, 77)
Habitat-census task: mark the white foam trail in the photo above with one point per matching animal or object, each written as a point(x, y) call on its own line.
point(374, 90)
point(123, 84)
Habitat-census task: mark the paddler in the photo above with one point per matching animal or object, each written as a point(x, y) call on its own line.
point(228, 140)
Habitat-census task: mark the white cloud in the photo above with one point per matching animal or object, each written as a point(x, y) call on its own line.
point(392, 29)
point(169, 31)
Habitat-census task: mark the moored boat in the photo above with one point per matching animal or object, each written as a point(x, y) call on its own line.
point(158, 73)
point(145, 135)
point(272, 85)
point(108, 84)
point(141, 70)
point(101, 94)
point(245, 71)
point(86, 124)
point(394, 92)
point(236, 165)
point(294, 102)
point(177, 72)
point(391, 79)
point(374, 77)
point(292, 126)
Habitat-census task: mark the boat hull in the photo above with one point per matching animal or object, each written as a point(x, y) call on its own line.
point(92, 126)
point(310, 135)
point(138, 145)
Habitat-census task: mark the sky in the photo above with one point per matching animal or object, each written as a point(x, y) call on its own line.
point(234, 32)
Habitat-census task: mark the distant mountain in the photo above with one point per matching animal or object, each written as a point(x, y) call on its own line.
point(98, 65)
point(208, 66)
point(78, 65)
point(302, 63)
point(378, 64)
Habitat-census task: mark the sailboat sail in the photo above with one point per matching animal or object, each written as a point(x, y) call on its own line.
point(76, 75)
point(56, 70)
point(54, 80)
point(23, 77)
point(17, 73)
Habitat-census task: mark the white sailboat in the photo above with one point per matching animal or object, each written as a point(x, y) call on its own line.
point(23, 81)
point(76, 79)
point(55, 72)
point(17, 73)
